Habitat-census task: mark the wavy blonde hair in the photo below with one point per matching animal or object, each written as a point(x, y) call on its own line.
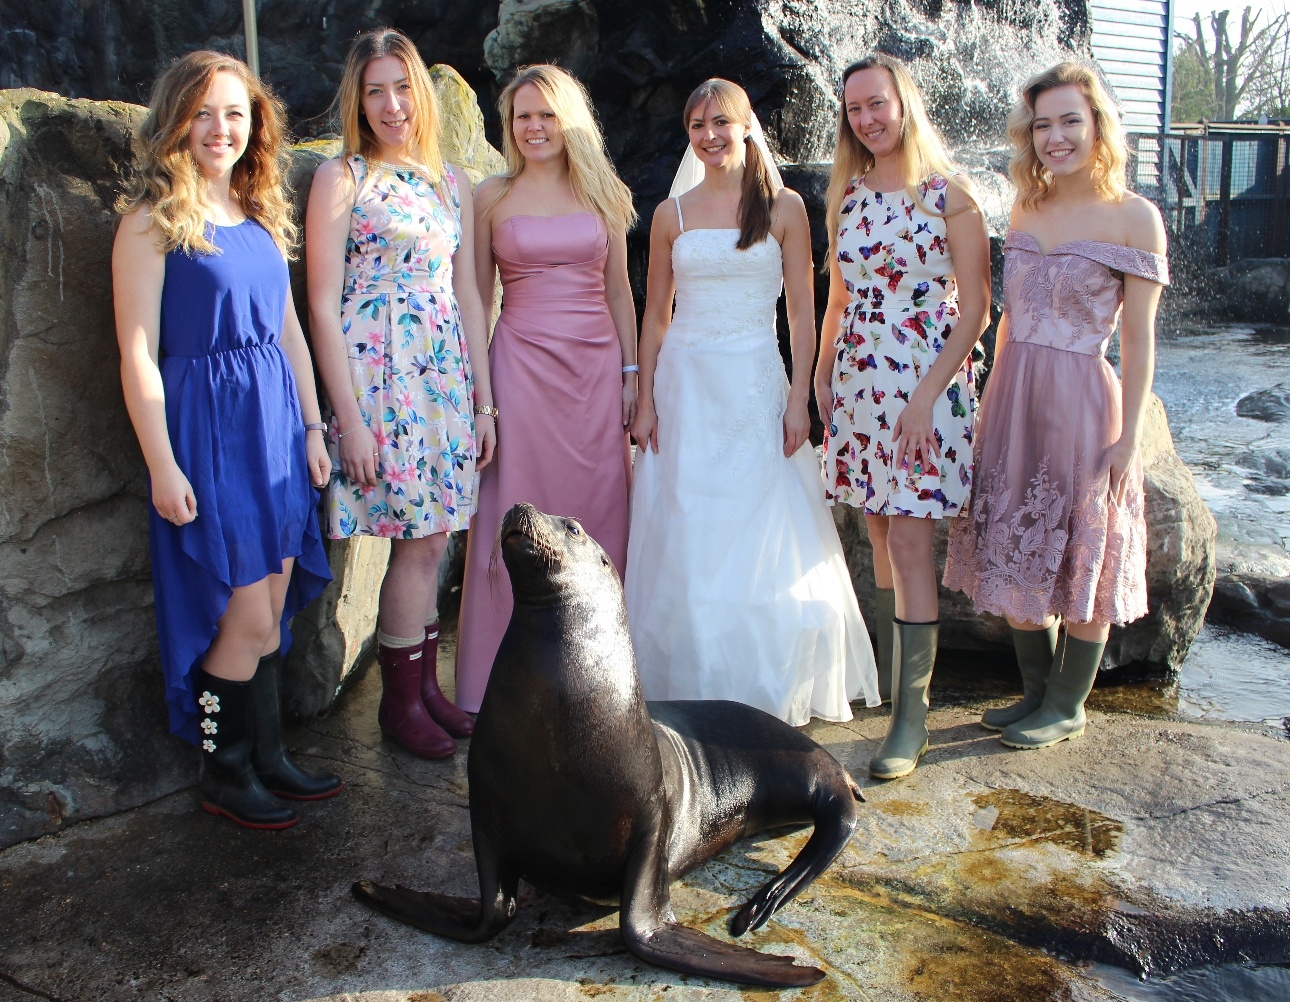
point(356, 135)
point(1110, 152)
point(167, 178)
point(592, 176)
point(922, 150)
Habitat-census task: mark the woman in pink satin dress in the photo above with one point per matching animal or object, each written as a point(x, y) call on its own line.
point(1056, 532)
point(563, 355)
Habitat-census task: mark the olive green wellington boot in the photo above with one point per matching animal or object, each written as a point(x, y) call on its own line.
point(913, 652)
point(884, 612)
point(1036, 652)
point(1061, 715)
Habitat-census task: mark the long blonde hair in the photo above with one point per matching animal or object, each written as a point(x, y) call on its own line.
point(356, 135)
point(1110, 152)
point(922, 151)
point(168, 180)
point(757, 195)
point(592, 176)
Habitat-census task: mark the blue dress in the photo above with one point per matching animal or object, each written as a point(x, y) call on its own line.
point(238, 435)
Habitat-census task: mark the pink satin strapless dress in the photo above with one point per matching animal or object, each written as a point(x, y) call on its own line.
point(556, 369)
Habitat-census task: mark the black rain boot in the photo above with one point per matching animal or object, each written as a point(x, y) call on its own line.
point(280, 774)
point(228, 784)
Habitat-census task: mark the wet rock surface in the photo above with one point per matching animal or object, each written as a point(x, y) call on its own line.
point(1272, 404)
point(1151, 843)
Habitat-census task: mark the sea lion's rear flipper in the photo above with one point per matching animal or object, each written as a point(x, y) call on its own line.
point(651, 931)
point(465, 919)
point(834, 812)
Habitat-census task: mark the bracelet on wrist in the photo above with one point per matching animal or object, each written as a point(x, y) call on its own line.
point(486, 410)
point(316, 426)
point(631, 368)
point(350, 431)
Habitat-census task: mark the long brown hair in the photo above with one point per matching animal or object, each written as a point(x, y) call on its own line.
point(922, 151)
point(757, 196)
point(168, 180)
point(356, 134)
point(1110, 152)
point(592, 176)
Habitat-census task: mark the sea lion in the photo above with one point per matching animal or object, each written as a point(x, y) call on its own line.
point(578, 785)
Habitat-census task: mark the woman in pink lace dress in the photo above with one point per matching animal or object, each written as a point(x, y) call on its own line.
point(1056, 531)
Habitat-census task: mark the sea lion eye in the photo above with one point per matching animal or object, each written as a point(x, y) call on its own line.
point(574, 528)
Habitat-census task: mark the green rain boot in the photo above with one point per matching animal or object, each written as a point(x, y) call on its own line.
point(884, 613)
point(913, 652)
point(1036, 652)
point(1061, 715)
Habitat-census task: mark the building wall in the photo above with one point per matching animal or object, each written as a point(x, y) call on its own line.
point(1131, 42)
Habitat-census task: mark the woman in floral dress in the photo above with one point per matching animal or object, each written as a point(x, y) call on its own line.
point(1057, 531)
point(909, 295)
point(389, 241)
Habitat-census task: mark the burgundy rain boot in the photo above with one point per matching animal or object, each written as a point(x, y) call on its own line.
point(446, 714)
point(402, 715)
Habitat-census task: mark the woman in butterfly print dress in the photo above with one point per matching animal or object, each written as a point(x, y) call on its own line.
point(1057, 529)
point(909, 295)
point(400, 339)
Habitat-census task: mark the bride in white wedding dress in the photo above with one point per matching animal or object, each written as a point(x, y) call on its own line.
point(736, 584)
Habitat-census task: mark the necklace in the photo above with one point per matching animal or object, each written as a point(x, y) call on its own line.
point(397, 168)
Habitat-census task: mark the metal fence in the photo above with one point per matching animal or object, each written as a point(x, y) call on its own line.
point(1224, 191)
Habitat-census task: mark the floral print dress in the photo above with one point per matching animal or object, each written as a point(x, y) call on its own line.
point(895, 260)
point(407, 360)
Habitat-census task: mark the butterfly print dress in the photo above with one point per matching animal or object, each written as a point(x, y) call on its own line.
point(895, 261)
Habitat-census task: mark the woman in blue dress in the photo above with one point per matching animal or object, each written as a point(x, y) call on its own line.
point(219, 385)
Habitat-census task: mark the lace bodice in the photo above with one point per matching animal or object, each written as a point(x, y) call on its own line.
point(1070, 298)
point(723, 292)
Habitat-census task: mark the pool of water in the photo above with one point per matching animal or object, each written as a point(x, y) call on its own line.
point(1229, 675)
point(1216, 983)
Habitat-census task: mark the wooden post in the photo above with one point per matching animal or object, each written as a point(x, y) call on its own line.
point(252, 37)
point(1224, 202)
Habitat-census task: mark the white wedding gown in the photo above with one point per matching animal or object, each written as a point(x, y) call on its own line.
point(736, 585)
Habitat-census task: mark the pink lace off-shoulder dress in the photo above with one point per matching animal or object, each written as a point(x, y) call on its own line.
point(1043, 534)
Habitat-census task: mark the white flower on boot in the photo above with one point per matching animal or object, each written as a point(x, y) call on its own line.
point(209, 703)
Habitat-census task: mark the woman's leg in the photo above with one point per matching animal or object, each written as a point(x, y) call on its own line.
point(884, 605)
point(410, 587)
point(279, 773)
point(443, 711)
point(1061, 714)
point(229, 785)
point(913, 574)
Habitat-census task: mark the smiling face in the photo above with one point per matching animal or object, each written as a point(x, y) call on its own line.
point(387, 104)
point(717, 140)
point(873, 110)
point(538, 133)
point(220, 130)
point(1064, 133)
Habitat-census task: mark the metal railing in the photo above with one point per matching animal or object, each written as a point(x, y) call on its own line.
point(1224, 191)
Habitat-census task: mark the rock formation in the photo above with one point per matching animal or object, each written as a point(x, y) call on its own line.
point(83, 731)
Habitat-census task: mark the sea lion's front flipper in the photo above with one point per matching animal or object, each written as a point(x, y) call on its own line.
point(464, 919)
point(834, 812)
point(651, 931)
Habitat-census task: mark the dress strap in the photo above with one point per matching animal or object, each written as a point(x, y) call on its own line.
point(679, 218)
point(358, 166)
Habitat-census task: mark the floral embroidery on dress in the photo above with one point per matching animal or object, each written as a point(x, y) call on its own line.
point(407, 359)
point(1043, 534)
point(895, 262)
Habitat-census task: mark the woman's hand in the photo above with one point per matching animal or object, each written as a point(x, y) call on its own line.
point(630, 382)
point(645, 427)
point(319, 461)
point(797, 425)
point(486, 439)
point(1119, 459)
point(914, 432)
point(172, 496)
point(824, 398)
point(358, 455)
